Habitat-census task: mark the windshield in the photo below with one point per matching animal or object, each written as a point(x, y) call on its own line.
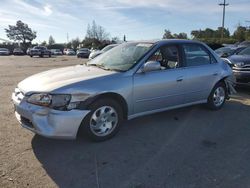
point(121, 58)
point(83, 50)
point(245, 43)
point(39, 48)
point(3, 49)
point(224, 50)
point(245, 51)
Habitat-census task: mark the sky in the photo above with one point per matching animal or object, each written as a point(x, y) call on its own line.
point(137, 19)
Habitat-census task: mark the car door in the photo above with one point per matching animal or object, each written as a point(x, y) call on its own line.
point(202, 72)
point(163, 88)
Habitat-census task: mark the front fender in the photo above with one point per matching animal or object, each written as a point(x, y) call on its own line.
point(230, 83)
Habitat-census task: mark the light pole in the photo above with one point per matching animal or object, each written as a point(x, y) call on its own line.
point(224, 4)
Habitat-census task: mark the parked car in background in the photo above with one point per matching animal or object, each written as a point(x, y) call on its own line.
point(28, 51)
point(228, 51)
point(18, 51)
point(244, 44)
point(83, 53)
point(40, 51)
point(70, 52)
point(131, 80)
point(64, 51)
point(96, 53)
point(240, 64)
point(56, 52)
point(4, 51)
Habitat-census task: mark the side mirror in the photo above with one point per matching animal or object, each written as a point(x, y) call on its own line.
point(151, 66)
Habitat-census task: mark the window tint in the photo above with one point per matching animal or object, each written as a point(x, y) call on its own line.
point(196, 55)
point(245, 51)
point(168, 56)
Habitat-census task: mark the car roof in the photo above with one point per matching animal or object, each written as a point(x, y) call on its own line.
point(168, 41)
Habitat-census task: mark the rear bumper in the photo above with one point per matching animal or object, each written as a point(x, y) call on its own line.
point(83, 55)
point(48, 122)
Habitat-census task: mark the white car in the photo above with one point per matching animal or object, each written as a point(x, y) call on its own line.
point(95, 53)
point(56, 52)
point(70, 52)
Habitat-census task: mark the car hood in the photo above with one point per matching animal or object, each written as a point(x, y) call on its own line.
point(56, 78)
point(240, 58)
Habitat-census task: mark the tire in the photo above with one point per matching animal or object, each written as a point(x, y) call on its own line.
point(217, 96)
point(31, 55)
point(89, 126)
point(49, 55)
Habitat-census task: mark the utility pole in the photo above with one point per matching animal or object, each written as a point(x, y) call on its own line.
point(224, 4)
point(67, 37)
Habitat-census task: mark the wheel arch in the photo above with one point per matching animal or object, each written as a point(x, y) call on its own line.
point(223, 80)
point(110, 95)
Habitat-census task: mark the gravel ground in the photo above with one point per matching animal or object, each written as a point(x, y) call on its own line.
point(189, 147)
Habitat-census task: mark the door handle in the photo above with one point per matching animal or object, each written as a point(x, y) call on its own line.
point(179, 79)
point(215, 74)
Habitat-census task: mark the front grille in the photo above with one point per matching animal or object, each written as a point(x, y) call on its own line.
point(26, 122)
point(243, 68)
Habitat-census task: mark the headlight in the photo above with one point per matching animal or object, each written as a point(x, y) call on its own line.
point(239, 64)
point(56, 101)
point(41, 99)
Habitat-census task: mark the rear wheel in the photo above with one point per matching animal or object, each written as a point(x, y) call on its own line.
point(217, 97)
point(104, 120)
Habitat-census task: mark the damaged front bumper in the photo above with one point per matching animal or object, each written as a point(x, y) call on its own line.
point(48, 122)
point(230, 84)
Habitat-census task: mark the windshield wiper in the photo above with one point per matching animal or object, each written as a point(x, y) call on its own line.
point(96, 65)
point(105, 68)
point(112, 69)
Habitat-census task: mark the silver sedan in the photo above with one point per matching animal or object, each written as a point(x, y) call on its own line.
point(130, 80)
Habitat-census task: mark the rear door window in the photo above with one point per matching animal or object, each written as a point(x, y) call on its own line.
point(197, 55)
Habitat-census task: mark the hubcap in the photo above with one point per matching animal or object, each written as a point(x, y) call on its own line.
point(103, 121)
point(219, 96)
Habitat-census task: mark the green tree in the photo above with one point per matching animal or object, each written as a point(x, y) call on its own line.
point(182, 36)
point(240, 33)
point(44, 43)
point(167, 34)
point(51, 40)
point(21, 33)
point(75, 43)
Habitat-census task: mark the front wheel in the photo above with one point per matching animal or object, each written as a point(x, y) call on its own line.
point(104, 120)
point(217, 97)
